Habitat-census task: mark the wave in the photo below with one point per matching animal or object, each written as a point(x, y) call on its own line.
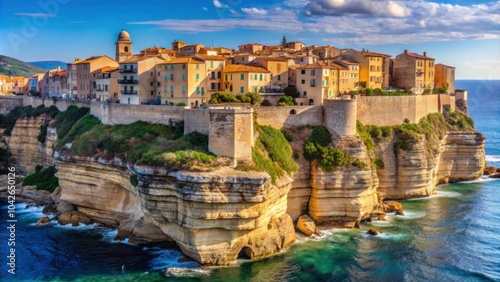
point(411, 214)
point(479, 180)
point(440, 194)
point(492, 158)
point(386, 235)
point(169, 258)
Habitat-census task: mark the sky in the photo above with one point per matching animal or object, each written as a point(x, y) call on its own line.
point(460, 33)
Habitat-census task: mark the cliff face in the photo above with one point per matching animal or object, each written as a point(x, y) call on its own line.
point(346, 195)
point(415, 172)
point(212, 216)
point(24, 145)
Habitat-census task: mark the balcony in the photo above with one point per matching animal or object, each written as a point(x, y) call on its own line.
point(129, 92)
point(127, 70)
point(128, 81)
point(99, 89)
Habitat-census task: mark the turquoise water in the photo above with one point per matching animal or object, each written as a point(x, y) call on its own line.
point(454, 236)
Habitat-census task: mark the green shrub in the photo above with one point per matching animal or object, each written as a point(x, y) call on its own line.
point(321, 136)
point(255, 98)
point(333, 157)
point(43, 133)
point(133, 180)
point(359, 164)
point(181, 104)
point(43, 179)
point(288, 137)
point(65, 120)
point(406, 120)
point(378, 163)
point(278, 148)
point(11, 118)
point(286, 101)
point(291, 91)
point(369, 92)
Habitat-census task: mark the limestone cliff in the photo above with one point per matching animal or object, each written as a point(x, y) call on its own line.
point(346, 195)
point(212, 216)
point(415, 172)
point(24, 145)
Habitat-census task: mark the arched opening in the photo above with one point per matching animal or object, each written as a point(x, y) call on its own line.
point(311, 102)
point(293, 112)
point(125, 48)
point(245, 253)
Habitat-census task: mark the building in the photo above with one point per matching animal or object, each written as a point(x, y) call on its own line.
point(123, 47)
point(372, 69)
point(137, 80)
point(81, 75)
point(6, 84)
point(241, 79)
point(348, 73)
point(106, 84)
point(190, 50)
point(212, 82)
point(20, 85)
point(293, 45)
point(303, 59)
point(445, 76)
point(250, 48)
point(35, 83)
point(413, 71)
point(242, 58)
point(177, 45)
point(316, 82)
point(56, 83)
point(279, 72)
point(154, 51)
point(325, 52)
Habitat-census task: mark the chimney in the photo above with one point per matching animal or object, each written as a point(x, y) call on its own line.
point(58, 68)
point(406, 52)
point(425, 54)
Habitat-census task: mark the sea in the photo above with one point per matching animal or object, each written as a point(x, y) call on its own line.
point(452, 236)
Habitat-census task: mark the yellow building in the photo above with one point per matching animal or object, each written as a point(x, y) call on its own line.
point(241, 79)
point(106, 86)
point(445, 76)
point(6, 84)
point(279, 70)
point(371, 67)
point(413, 71)
point(20, 84)
point(349, 74)
point(250, 48)
point(316, 82)
point(137, 80)
point(212, 80)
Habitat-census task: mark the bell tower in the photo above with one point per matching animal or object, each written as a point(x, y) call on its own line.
point(123, 46)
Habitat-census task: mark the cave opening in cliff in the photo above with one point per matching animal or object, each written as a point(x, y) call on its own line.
point(245, 253)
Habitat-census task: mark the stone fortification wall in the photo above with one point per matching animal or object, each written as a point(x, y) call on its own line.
point(196, 120)
point(7, 103)
point(126, 114)
point(340, 116)
point(280, 117)
point(392, 110)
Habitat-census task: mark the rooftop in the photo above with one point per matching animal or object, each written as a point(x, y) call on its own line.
point(244, 68)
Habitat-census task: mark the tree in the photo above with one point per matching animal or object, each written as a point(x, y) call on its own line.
point(283, 41)
point(286, 101)
point(291, 91)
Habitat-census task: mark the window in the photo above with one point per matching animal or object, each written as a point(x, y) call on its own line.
point(211, 64)
point(279, 77)
point(325, 72)
point(212, 86)
point(313, 72)
point(151, 83)
point(165, 76)
point(106, 87)
point(172, 67)
point(219, 74)
point(164, 88)
point(302, 71)
point(242, 76)
point(171, 76)
point(218, 86)
point(166, 67)
point(303, 81)
point(198, 89)
point(197, 76)
point(183, 66)
point(242, 59)
point(212, 75)
point(158, 73)
point(305, 93)
point(261, 77)
point(171, 89)
point(226, 76)
point(158, 84)
point(202, 91)
point(242, 89)
point(151, 92)
point(183, 89)
point(197, 66)
point(325, 82)
point(151, 73)
point(231, 88)
point(183, 76)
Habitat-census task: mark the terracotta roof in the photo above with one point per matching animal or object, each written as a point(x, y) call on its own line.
point(89, 59)
point(374, 54)
point(107, 69)
point(6, 78)
point(244, 68)
point(62, 73)
point(445, 65)
point(417, 56)
point(211, 58)
point(250, 44)
point(266, 58)
point(183, 60)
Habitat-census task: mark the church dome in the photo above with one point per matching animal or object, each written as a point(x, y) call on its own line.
point(123, 36)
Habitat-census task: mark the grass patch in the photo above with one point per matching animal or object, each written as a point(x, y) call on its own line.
point(43, 179)
point(133, 180)
point(65, 120)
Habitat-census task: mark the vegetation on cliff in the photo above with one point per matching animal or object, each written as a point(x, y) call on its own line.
point(271, 153)
point(431, 127)
point(13, 67)
point(43, 179)
point(11, 118)
point(318, 147)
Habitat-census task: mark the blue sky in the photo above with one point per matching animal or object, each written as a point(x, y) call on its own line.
point(462, 33)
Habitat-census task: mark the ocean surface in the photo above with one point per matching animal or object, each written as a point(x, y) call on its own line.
point(453, 236)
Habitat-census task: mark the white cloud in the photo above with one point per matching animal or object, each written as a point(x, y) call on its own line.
point(357, 7)
point(218, 4)
point(296, 3)
point(36, 15)
point(254, 11)
point(205, 9)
